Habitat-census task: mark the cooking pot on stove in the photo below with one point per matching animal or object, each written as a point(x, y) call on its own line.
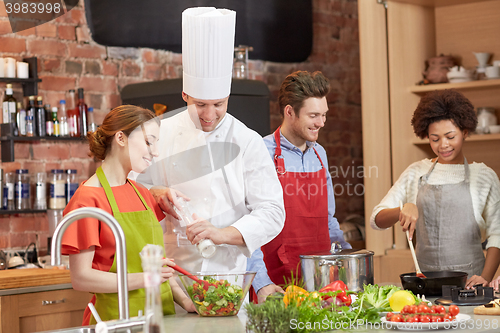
point(353, 267)
point(432, 284)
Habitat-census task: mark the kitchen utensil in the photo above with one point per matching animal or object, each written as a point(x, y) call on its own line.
point(459, 296)
point(353, 267)
point(94, 312)
point(235, 285)
point(494, 129)
point(432, 284)
point(492, 72)
point(486, 117)
point(15, 261)
point(412, 250)
point(191, 276)
point(459, 74)
point(436, 69)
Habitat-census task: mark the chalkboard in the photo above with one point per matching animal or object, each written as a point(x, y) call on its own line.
point(278, 30)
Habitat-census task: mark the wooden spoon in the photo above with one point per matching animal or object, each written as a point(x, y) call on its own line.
point(191, 276)
point(412, 250)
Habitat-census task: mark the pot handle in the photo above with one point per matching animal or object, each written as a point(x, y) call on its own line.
point(326, 262)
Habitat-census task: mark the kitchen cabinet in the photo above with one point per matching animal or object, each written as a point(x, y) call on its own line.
point(396, 37)
point(42, 311)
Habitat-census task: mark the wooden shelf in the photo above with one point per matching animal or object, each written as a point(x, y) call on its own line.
point(435, 3)
point(24, 211)
point(474, 137)
point(30, 85)
point(481, 84)
point(40, 138)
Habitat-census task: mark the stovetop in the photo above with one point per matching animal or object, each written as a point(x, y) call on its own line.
point(462, 297)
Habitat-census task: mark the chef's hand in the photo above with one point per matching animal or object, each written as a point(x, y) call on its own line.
point(167, 198)
point(475, 279)
point(166, 272)
point(202, 229)
point(268, 290)
point(408, 217)
point(495, 283)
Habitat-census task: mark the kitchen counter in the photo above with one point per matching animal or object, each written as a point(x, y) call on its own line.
point(237, 324)
point(19, 281)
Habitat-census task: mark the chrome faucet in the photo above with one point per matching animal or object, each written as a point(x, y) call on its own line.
point(121, 249)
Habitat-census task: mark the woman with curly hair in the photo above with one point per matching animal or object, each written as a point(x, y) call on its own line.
point(126, 141)
point(452, 205)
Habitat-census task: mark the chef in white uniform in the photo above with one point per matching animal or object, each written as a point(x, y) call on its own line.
point(212, 158)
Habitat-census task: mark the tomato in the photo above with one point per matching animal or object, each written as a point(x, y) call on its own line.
point(447, 317)
point(412, 319)
point(423, 308)
point(425, 319)
point(405, 309)
point(440, 309)
point(417, 318)
point(397, 318)
point(413, 309)
point(436, 319)
point(432, 309)
point(453, 310)
point(389, 315)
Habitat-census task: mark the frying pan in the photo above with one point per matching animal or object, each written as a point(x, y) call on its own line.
point(433, 283)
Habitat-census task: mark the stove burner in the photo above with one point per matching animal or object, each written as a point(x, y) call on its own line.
point(467, 293)
point(456, 295)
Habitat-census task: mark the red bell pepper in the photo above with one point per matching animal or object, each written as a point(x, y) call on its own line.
point(342, 296)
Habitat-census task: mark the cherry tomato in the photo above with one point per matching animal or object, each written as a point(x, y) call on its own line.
point(389, 315)
point(405, 309)
point(412, 319)
point(440, 309)
point(436, 319)
point(432, 309)
point(397, 318)
point(425, 319)
point(447, 317)
point(423, 308)
point(413, 309)
point(453, 310)
point(417, 318)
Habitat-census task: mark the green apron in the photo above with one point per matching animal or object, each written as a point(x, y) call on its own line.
point(140, 228)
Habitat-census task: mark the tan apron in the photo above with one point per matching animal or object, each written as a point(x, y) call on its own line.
point(140, 228)
point(448, 237)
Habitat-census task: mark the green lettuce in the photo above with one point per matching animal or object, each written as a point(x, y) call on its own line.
point(377, 297)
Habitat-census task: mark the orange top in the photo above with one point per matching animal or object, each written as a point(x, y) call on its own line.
point(88, 232)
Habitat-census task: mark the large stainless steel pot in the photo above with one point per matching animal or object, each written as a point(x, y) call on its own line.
point(353, 267)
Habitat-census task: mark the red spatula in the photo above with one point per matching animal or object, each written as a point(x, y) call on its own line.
point(412, 250)
point(191, 276)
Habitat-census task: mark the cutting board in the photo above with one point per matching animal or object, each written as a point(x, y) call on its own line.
point(32, 277)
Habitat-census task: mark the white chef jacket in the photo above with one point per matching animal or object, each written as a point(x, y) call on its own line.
point(231, 181)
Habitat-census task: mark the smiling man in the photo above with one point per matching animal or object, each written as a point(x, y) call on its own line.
point(212, 158)
point(302, 168)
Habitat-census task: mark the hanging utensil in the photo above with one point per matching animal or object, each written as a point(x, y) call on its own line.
point(412, 250)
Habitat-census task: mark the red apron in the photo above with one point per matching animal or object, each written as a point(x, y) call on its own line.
point(306, 225)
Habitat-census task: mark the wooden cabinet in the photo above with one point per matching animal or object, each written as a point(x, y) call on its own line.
point(396, 37)
point(42, 311)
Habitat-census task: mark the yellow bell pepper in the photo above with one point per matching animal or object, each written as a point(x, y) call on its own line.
point(296, 293)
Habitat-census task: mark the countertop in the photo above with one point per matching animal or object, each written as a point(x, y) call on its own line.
point(237, 324)
point(17, 281)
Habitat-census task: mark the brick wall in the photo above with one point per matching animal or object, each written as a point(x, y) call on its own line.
point(68, 58)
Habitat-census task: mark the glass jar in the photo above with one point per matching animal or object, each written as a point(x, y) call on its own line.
point(22, 189)
point(71, 184)
point(8, 191)
point(486, 117)
point(40, 185)
point(57, 198)
point(151, 256)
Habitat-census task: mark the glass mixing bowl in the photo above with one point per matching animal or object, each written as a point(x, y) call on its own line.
point(222, 296)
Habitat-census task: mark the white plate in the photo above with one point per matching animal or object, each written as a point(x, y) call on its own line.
point(425, 326)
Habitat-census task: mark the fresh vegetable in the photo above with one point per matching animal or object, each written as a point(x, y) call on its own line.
point(275, 316)
point(295, 294)
point(221, 298)
point(341, 297)
point(377, 297)
point(424, 314)
point(399, 299)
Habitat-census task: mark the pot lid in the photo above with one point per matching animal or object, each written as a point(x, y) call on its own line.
point(340, 254)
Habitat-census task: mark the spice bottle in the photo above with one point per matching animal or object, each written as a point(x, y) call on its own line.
point(73, 115)
point(8, 191)
point(22, 189)
point(82, 109)
point(63, 118)
point(71, 184)
point(21, 119)
point(206, 247)
point(40, 180)
point(151, 256)
point(40, 117)
point(92, 125)
point(30, 117)
point(57, 198)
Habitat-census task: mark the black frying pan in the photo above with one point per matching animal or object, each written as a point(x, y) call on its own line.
point(432, 284)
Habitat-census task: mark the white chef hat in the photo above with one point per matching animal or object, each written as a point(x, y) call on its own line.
point(207, 51)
